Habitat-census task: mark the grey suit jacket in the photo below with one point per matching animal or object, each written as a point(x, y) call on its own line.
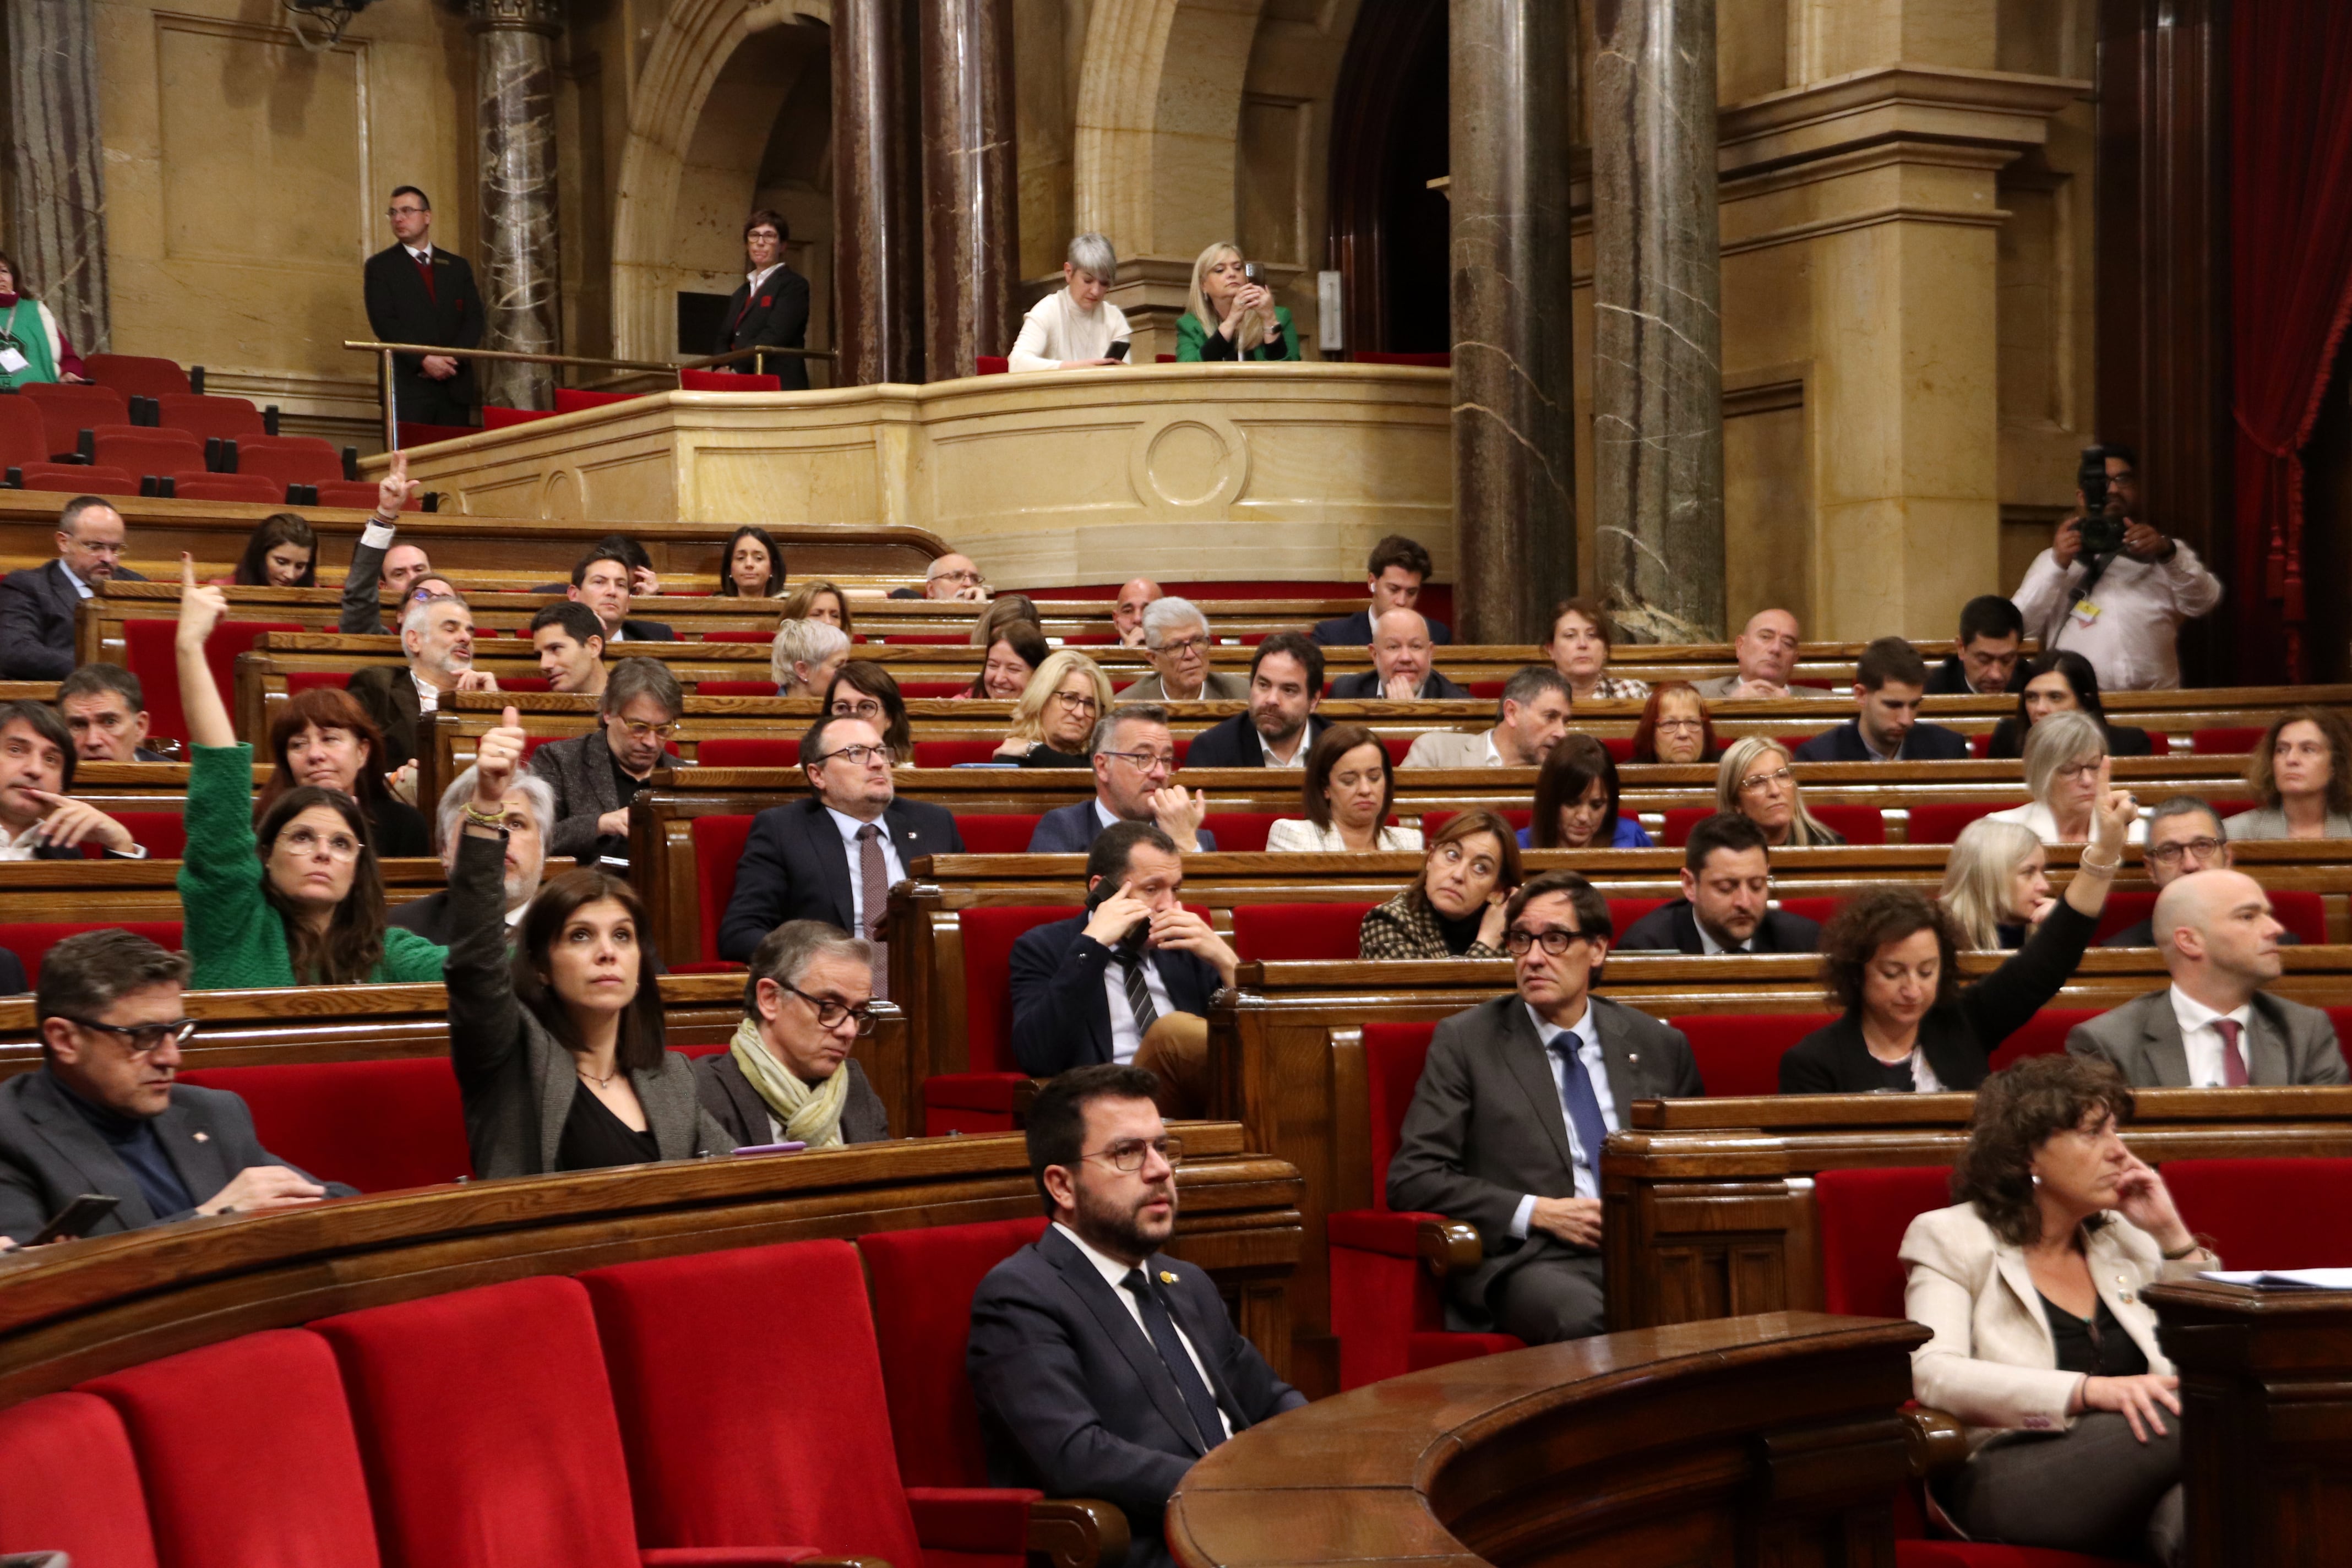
point(1716, 688)
point(37, 606)
point(389, 695)
point(1448, 749)
point(49, 1155)
point(731, 1101)
point(579, 772)
point(2289, 1043)
point(1221, 686)
point(1486, 1126)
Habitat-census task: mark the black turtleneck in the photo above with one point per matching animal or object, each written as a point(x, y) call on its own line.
point(133, 1141)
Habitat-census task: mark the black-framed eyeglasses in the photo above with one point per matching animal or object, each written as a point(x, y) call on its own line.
point(2170, 854)
point(830, 1013)
point(1517, 942)
point(857, 756)
point(1127, 1154)
point(1144, 762)
point(145, 1039)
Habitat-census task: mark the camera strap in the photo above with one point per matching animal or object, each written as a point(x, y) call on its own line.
point(2075, 595)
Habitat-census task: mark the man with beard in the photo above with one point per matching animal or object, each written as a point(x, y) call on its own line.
point(1725, 905)
point(1285, 685)
point(1103, 1367)
point(436, 635)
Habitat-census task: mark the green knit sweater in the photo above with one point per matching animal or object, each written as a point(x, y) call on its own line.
point(236, 939)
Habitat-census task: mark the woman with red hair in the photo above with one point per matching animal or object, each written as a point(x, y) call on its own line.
point(1675, 727)
point(322, 736)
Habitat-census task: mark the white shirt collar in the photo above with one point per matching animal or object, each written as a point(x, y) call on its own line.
point(1493, 756)
point(18, 845)
point(848, 825)
point(1112, 1270)
point(84, 589)
point(1548, 1031)
point(1103, 817)
point(428, 696)
point(419, 253)
point(2193, 1015)
point(1297, 754)
point(514, 915)
point(752, 279)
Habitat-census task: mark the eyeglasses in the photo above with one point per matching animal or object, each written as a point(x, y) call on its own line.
point(1076, 701)
point(640, 730)
point(967, 578)
point(857, 756)
point(1127, 1154)
point(1144, 762)
point(844, 709)
point(145, 1039)
point(1555, 942)
point(2170, 854)
point(1180, 647)
point(830, 1013)
point(405, 212)
point(1765, 781)
point(1683, 725)
point(338, 846)
point(2072, 772)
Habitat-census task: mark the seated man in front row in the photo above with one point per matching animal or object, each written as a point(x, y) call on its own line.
point(1530, 721)
point(2184, 837)
point(1889, 683)
point(787, 1076)
point(1725, 905)
point(2215, 1027)
point(1518, 1097)
point(1102, 1366)
point(102, 1114)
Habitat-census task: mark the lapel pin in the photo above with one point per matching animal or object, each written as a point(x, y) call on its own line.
point(1166, 1277)
point(203, 1136)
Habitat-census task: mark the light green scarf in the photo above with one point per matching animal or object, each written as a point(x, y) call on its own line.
point(811, 1113)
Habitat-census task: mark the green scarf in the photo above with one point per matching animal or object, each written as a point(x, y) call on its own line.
point(33, 344)
point(811, 1113)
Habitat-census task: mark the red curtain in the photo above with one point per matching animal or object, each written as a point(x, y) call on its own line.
point(2291, 287)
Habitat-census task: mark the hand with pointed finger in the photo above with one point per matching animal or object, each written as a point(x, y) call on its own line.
point(69, 823)
point(202, 605)
point(497, 756)
point(395, 489)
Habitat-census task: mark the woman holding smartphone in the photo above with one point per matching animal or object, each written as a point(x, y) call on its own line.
point(1233, 315)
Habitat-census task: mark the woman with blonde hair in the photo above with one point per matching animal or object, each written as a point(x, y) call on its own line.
point(1055, 716)
point(815, 599)
point(2065, 757)
point(1996, 888)
point(1232, 315)
point(804, 656)
point(1756, 781)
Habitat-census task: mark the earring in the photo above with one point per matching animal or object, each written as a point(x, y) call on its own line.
point(2037, 1177)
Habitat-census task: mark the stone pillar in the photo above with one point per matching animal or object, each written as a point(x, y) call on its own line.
point(972, 237)
point(1657, 360)
point(877, 286)
point(1514, 443)
point(57, 198)
point(514, 84)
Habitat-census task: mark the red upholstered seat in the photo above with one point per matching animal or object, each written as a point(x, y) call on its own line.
point(203, 415)
point(1864, 1215)
point(30, 940)
point(145, 449)
point(980, 1098)
point(494, 417)
point(726, 381)
point(718, 846)
point(1859, 823)
point(1940, 823)
point(256, 489)
point(290, 460)
point(67, 410)
point(147, 650)
point(24, 435)
point(357, 493)
point(2122, 910)
point(1242, 832)
point(248, 1455)
point(1739, 1053)
point(69, 1483)
point(2225, 739)
point(486, 1424)
point(138, 375)
point(990, 365)
point(954, 753)
point(996, 832)
point(66, 478)
point(725, 1449)
point(2268, 1214)
point(164, 834)
point(1293, 932)
point(740, 637)
point(2045, 1035)
point(735, 688)
point(376, 1125)
point(1431, 821)
point(722, 753)
point(1623, 913)
point(571, 400)
point(1817, 910)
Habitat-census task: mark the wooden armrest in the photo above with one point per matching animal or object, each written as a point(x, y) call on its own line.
point(1450, 1247)
point(1023, 1096)
point(1937, 1442)
point(1078, 1531)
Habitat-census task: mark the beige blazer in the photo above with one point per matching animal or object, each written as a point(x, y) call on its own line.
point(1993, 1361)
point(1450, 749)
point(1296, 835)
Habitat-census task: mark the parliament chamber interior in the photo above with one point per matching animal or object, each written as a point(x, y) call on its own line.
point(1233, 784)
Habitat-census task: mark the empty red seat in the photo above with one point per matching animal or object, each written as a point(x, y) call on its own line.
point(30, 940)
point(2045, 1035)
point(375, 1125)
point(2226, 739)
point(726, 381)
point(65, 478)
point(2268, 1214)
point(138, 375)
point(954, 753)
point(147, 650)
point(144, 450)
point(68, 410)
point(1739, 1053)
point(248, 1455)
point(1623, 913)
point(1270, 933)
point(914, 689)
point(497, 418)
point(982, 1099)
point(290, 460)
point(719, 843)
point(69, 1483)
point(571, 399)
point(162, 834)
point(257, 490)
point(996, 832)
point(205, 414)
point(1864, 1215)
point(738, 753)
point(1242, 832)
point(1940, 821)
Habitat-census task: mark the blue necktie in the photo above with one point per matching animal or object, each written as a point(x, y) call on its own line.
point(1584, 1105)
point(1198, 1400)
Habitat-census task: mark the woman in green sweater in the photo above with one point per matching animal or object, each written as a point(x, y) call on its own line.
point(1232, 316)
point(298, 901)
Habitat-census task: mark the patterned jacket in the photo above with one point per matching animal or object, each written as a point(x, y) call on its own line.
point(1406, 927)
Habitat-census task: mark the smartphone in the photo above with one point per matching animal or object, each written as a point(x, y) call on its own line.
point(1253, 272)
point(1116, 349)
point(76, 1218)
point(1139, 933)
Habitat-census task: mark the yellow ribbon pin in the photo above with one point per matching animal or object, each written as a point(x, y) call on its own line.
point(1166, 1277)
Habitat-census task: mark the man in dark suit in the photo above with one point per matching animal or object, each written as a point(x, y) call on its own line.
point(1089, 989)
point(38, 821)
point(105, 707)
point(37, 604)
point(103, 1114)
point(1394, 575)
point(530, 807)
point(1402, 671)
point(771, 307)
point(606, 577)
point(12, 975)
point(2184, 837)
point(1726, 895)
point(835, 856)
point(2215, 1027)
point(1518, 1095)
point(1133, 755)
point(1890, 682)
point(1991, 631)
point(595, 776)
point(418, 293)
point(436, 638)
point(379, 561)
point(1102, 1366)
point(787, 1075)
point(1280, 728)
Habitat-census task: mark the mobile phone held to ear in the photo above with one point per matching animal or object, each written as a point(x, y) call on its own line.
point(76, 1218)
point(1139, 933)
point(1117, 350)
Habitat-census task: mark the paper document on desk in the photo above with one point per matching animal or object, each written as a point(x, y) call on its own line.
point(2283, 1278)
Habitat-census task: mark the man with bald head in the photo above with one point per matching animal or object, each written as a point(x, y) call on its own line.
point(1401, 671)
point(1767, 651)
point(1127, 615)
point(2215, 1027)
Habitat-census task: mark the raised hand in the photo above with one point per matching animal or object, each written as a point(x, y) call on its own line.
point(395, 489)
point(1179, 812)
point(497, 757)
point(2116, 811)
point(202, 605)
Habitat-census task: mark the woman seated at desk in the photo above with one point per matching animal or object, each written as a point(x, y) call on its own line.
point(804, 657)
point(862, 688)
point(323, 737)
point(2302, 773)
point(753, 565)
point(1756, 781)
point(2043, 1345)
point(1454, 907)
point(1016, 650)
point(2061, 681)
point(1350, 784)
point(2065, 772)
point(1055, 717)
point(1576, 798)
point(817, 599)
point(1075, 327)
point(1996, 886)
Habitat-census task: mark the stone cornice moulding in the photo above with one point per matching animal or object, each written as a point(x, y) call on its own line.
point(1913, 103)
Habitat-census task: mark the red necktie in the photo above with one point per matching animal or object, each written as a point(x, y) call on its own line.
point(424, 270)
point(2234, 1064)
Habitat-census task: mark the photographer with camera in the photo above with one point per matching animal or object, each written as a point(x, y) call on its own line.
point(2112, 588)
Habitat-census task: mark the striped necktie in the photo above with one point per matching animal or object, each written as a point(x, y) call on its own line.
point(1139, 993)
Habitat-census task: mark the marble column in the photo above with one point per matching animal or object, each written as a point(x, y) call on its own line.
point(1514, 443)
point(56, 195)
point(971, 238)
point(514, 82)
point(1657, 361)
point(876, 223)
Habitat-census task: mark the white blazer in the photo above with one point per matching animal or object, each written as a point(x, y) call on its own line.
point(2039, 820)
point(1297, 835)
point(1993, 1363)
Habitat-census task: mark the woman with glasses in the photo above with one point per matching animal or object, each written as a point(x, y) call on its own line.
point(1890, 959)
point(1055, 717)
point(1995, 885)
point(863, 690)
point(815, 599)
point(1755, 780)
point(296, 900)
point(787, 1075)
point(1675, 727)
point(1454, 909)
point(1577, 799)
point(558, 1045)
point(1349, 788)
point(753, 567)
point(2302, 773)
point(2061, 681)
point(2065, 767)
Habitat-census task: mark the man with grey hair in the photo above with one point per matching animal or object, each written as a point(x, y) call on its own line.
point(102, 1114)
point(1133, 755)
point(2215, 1027)
point(1075, 327)
point(787, 1075)
point(804, 654)
point(529, 808)
point(1401, 671)
point(37, 604)
point(1528, 723)
point(1176, 634)
point(436, 638)
point(595, 776)
point(2184, 837)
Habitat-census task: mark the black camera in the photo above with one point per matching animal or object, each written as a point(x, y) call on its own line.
point(2102, 534)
